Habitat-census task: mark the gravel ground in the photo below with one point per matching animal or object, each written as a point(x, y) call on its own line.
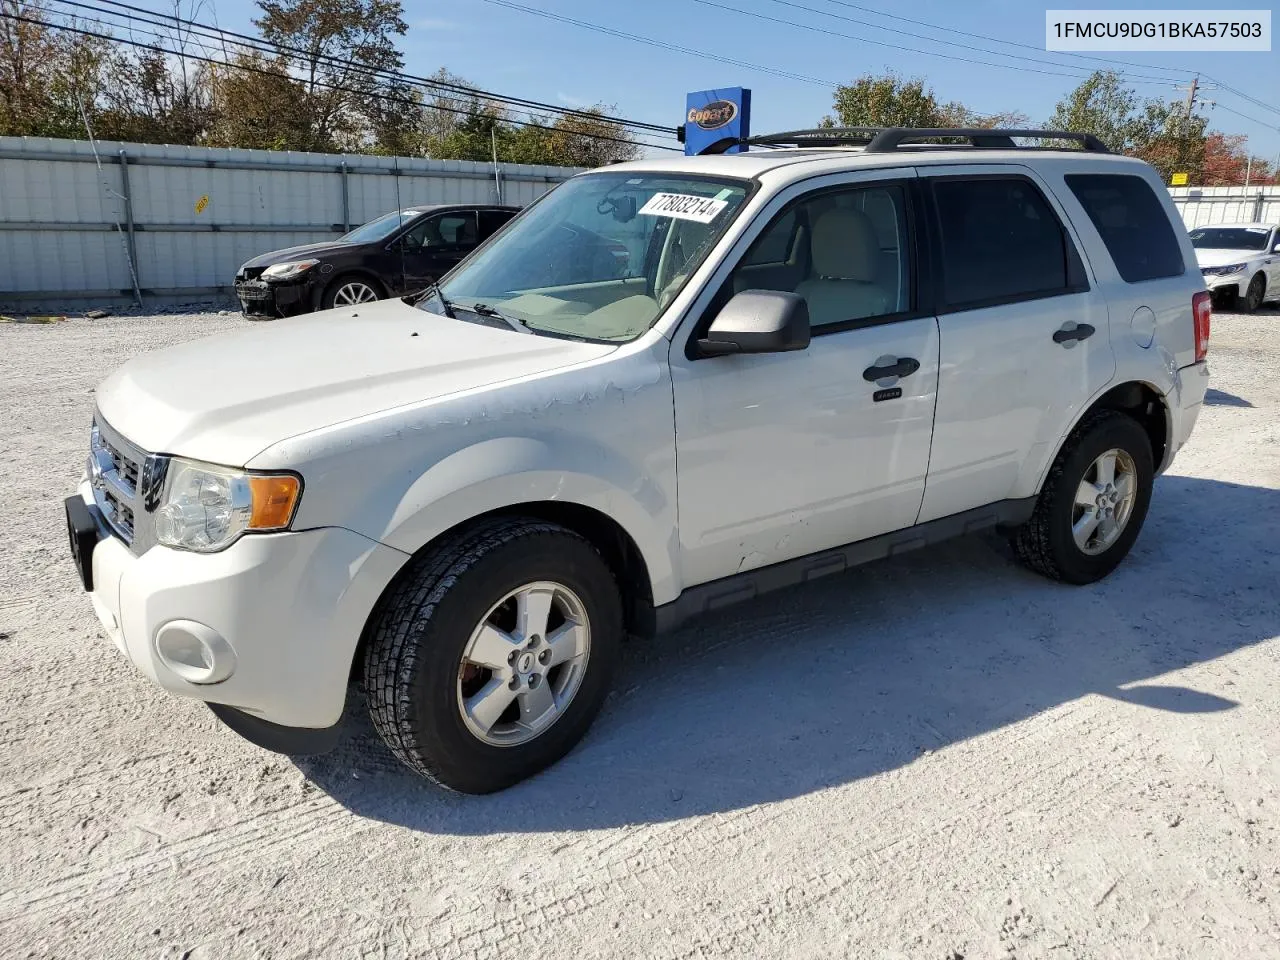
point(940, 756)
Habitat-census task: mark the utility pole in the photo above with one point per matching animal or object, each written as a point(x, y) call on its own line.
point(1191, 95)
point(1183, 130)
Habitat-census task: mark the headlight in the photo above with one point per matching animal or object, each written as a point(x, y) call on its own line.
point(1223, 271)
point(206, 508)
point(287, 271)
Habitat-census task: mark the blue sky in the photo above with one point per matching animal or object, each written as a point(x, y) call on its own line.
point(520, 54)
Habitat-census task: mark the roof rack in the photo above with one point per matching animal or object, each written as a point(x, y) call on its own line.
point(888, 139)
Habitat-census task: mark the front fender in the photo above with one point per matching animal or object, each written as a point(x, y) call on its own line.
point(504, 472)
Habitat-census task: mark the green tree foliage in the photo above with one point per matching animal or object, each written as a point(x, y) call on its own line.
point(891, 101)
point(257, 105)
point(337, 48)
point(1154, 130)
point(884, 101)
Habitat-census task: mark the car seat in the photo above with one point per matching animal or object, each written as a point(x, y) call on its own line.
point(844, 268)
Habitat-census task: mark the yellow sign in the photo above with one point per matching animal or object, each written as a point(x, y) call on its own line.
point(204, 201)
point(1179, 180)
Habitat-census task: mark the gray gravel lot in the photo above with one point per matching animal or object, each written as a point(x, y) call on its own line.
point(941, 756)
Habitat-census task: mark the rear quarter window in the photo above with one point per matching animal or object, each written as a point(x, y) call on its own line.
point(1133, 224)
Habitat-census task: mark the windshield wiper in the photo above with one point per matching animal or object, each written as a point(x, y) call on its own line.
point(484, 310)
point(433, 288)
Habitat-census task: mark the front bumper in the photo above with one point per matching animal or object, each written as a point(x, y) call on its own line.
point(262, 298)
point(280, 615)
point(1224, 284)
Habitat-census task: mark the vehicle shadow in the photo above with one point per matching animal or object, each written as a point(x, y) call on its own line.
point(1220, 398)
point(859, 674)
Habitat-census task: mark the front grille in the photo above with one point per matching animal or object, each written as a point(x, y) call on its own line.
point(120, 516)
point(250, 273)
point(115, 470)
point(127, 469)
point(251, 290)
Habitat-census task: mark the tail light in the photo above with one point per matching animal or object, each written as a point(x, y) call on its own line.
point(1202, 310)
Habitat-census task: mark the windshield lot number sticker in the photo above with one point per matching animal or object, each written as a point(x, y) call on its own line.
point(683, 206)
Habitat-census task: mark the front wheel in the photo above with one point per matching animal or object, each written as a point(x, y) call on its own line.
point(1093, 503)
point(1254, 294)
point(351, 291)
point(492, 656)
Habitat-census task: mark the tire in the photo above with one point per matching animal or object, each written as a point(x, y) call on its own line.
point(343, 291)
point(1255, 294)
point(414, 670)
point(1047, 543)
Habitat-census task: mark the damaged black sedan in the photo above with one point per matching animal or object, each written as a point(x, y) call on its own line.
point(396, 254)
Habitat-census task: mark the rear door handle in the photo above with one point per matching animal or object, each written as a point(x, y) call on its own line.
point(903, 367)
point(1080, 331)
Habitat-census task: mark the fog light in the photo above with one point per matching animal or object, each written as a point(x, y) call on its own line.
point(195, 652)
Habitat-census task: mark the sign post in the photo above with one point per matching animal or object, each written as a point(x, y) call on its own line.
point(713, 115)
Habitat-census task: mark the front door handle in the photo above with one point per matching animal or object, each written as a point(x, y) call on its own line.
point(903, 367)
point(1070, 334)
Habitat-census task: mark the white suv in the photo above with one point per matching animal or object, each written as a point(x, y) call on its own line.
point(666, 387)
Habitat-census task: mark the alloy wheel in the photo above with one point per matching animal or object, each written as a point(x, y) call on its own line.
point(523, 664)
point(1253, 296)
point(354, 292)
point(1104, 502)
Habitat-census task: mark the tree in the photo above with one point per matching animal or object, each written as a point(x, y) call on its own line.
point(1227, 162)
point(258, 105)
point(1101, 105)
point(890, 101)
point(1156, 131)
point(884, 101)
point(144, 99)
point(586, 138)
point(336, 48)
point(45, 75)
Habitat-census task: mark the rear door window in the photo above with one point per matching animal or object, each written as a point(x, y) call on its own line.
point(1001, 243)
point(491, 221)
point(1132, 222)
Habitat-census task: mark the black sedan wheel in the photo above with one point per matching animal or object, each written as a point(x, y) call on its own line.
point(350, 291)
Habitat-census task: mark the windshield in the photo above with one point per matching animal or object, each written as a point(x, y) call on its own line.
point(1230, 238)
point(378, 229)
point(601, 255)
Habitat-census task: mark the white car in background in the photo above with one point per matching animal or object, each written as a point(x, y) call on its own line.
point(1240, 262)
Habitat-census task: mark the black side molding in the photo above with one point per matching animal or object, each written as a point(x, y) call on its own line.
point(294, 741)
point(740, 587)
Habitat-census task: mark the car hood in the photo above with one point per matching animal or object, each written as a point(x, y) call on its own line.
point(304, 252)
point(226, 398)
point(1220, 258)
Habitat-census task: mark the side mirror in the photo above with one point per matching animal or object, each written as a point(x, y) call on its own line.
point(758, 321)
point(1276, 248)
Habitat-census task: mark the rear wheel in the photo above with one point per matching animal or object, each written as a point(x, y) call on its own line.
point(493, 655)
point(1255, 293)
point(349, 291)
point(1093, 503)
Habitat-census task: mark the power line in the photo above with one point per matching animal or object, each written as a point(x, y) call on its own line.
point(661, 44)
point(1244, 96)
point(881, 43)
point(392, 98)
point(240, 39)
point(950, 43)
point(260, 46)
point(1245, 116)
point(1008, 43)
point(1107, 61)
